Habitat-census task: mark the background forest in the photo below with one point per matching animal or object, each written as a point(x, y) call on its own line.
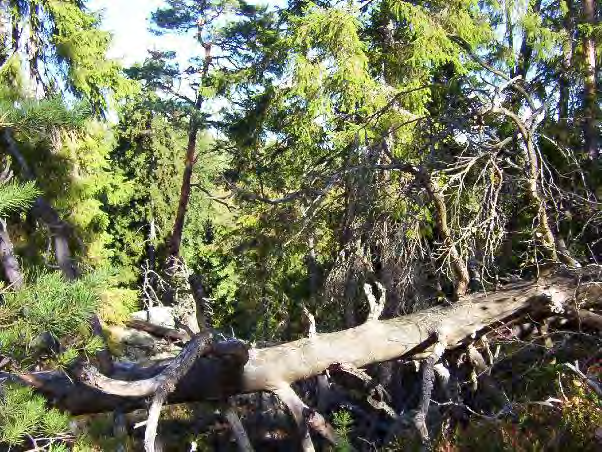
point(313, 168)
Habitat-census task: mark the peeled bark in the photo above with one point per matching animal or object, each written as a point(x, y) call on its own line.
point(272, 368)
point(167, 381)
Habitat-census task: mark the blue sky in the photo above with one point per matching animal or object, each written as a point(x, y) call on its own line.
point(128, 21)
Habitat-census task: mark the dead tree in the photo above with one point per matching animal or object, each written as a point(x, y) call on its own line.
point(227, 369)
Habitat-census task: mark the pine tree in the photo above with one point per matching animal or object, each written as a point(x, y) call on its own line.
point(63, 49)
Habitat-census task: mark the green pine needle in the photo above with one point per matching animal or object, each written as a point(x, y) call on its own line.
point(16, 197)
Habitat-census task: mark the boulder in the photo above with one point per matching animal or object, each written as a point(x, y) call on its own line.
point(158, 315)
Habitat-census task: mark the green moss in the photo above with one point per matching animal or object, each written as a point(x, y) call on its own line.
point(117, 304)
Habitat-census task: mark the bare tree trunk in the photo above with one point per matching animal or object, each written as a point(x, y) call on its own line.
point(178, 228)
point(312, 272)
point(535, 194)
point(564, 81)
point(60, 232)
point(590, 95)
point(526, 49)
point(12, 269)
point(238, 430)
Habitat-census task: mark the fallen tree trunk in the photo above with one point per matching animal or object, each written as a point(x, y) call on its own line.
point(274, 367)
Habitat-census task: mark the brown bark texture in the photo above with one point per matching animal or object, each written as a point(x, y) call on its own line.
point(590, 94)
point(190, 160)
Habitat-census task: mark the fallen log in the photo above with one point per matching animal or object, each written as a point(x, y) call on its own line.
point(272, 368)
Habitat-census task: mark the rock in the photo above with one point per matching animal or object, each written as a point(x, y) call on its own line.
point(158, 315)
point(132, 338)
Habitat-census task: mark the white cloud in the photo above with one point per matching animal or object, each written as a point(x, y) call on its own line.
point(128, 21)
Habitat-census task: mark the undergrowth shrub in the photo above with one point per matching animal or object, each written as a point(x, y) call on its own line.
point(50, 317)
point(24, 415)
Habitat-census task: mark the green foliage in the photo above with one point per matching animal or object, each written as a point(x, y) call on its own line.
point(40, 119)
point(149, 155)
point(331, 33)
point(24, 414)
point(12, 81)
point(429, 30)
point(343, 422)
point(66, 51)
point(49, 306)
point(16, 197)
point(82, 47)
point(315, 100)
point(84, 185)
point(117, 303)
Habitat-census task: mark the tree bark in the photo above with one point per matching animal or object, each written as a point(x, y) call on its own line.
point(535, 193)
point(178, 228)
point(590, 94)
point(60, 232)
point(238, 429)
point(272, 368)
point(457, 262)
point(564, 81)
point(526, 50)
point(12, 269)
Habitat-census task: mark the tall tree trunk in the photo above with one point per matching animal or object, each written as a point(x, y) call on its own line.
point(10, 264)
point(178, 228)
point(60, 232)
point(526, 50)
point(564, 79)
point(590, 94)
point(313, 273)
point(510, 33)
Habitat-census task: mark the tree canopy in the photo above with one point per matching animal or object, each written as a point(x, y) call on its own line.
point(384, 213)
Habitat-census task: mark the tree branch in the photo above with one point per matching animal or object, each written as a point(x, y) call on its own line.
point(272, 368)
